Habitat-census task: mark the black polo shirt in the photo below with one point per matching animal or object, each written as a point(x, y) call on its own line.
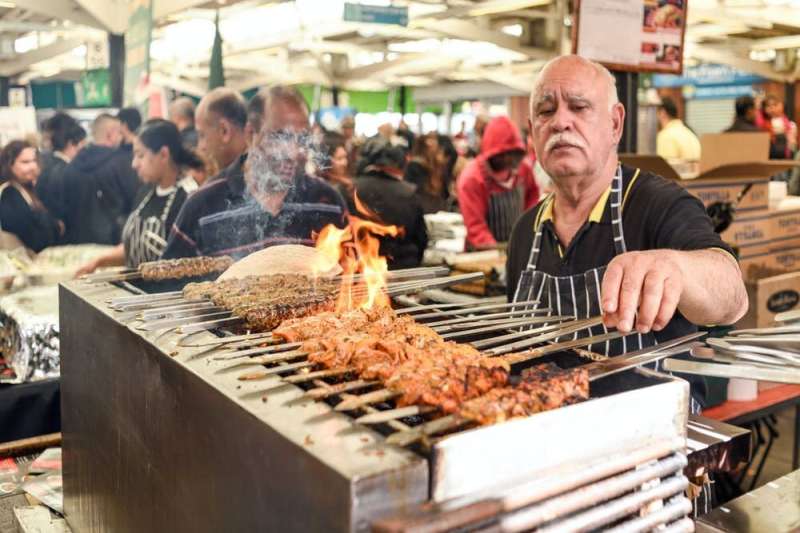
point(656, 213)
point(222, 218)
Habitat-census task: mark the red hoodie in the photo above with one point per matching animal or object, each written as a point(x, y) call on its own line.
point(475, 185)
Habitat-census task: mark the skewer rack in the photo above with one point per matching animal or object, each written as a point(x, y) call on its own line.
point(177, 445)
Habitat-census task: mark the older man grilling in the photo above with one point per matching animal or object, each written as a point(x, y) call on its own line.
point(612, 240)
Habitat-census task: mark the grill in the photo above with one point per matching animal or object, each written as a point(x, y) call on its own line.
point(176, 428)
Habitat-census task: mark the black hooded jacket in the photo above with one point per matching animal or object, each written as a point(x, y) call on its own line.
point(100, 189)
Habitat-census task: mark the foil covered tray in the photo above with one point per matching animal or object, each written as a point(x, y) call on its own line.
point(29, 334)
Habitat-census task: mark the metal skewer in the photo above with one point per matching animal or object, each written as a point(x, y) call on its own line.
point(418, 308)
point(321, 393)
point(470, 310)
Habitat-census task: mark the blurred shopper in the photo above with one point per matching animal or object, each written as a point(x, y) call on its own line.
point(255, 116)
point(67, 137)
point(492, 192)
point(745, 116)
point(451, 161)
point(405, 133)
point(21, 212)
point(97, 189)
point(675, 140)
point(220, 121)
point(334, 168)
point(385, 198)
point(476, 134)
point(782, 131)
point(426, 171)
point(351, 143)
point(181, 113)
point(202, 174)
point(273, 202)
point(130, 120)
point(161, 160)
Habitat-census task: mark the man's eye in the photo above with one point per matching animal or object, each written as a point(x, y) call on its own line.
point(545, 112)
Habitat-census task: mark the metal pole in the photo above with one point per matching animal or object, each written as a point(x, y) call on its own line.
point(627, 88)
point(116, 68)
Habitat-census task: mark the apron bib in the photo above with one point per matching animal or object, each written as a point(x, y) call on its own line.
point(139, 247)
point(578, 296)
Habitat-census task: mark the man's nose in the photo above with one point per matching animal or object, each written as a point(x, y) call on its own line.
point(561, 119)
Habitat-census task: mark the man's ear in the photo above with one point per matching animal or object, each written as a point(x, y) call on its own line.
point(225, 130)
point(617, 121)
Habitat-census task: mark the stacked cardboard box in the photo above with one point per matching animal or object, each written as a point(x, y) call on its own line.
point(735, 168)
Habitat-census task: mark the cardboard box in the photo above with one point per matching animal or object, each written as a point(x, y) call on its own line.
point(728, 163)
point(770, 296)
point(750, 228)
point(756, 258)
point(785, 224)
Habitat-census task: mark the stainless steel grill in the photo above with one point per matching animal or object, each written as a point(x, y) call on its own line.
point(195, 448)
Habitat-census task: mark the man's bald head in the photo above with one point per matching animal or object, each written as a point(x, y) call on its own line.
point(220, 120)
point(106, 130)
point(181, 112)
point(576, 119)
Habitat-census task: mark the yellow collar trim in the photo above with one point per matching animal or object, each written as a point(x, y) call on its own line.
point(595, 215)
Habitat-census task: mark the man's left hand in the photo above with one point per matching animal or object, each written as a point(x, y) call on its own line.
point(641, 290)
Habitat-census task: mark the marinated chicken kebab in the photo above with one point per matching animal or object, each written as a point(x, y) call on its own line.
point(414, 361)
point(186, 267)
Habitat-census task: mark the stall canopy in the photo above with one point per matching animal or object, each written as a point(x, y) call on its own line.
point(366, 46)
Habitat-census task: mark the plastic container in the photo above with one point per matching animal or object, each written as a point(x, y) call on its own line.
point(742, 390)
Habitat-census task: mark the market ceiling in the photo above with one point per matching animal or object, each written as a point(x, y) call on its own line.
point(307, 41)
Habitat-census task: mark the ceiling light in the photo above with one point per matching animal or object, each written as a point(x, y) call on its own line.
point(9, 5)
point(512, 29)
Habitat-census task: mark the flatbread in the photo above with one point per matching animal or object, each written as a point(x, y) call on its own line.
point(283, 259)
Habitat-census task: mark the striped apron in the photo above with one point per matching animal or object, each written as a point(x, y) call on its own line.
point(504, 210)
point(578, 296)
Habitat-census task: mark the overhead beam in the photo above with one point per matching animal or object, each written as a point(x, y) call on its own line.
point(23, 61)
point(488, 7)
point(384, 66)
point(776, 43)
point(459, 29)
point(164, 8)
point(60, 9)
point(713, 54)
point(161, 79)
point(112, 14)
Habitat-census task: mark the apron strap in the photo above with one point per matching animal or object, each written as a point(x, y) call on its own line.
point(616, 213)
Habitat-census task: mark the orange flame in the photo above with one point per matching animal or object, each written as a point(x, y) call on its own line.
point(329, 246)
point(357, 249)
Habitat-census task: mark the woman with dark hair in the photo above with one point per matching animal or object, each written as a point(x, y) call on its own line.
point(21, 212)
point(161, 160)
point(66, 138)
point(426, 170)
point(335, 169)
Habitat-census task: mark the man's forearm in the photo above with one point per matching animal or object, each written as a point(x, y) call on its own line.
point(713, 291)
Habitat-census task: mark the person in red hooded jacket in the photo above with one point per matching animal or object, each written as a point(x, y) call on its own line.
point(494, 189)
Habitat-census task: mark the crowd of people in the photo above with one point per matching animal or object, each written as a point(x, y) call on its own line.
point(232, 176)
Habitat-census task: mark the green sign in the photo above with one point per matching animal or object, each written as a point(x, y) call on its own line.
point(376, 14)
point(96, 88)
point(137, 53)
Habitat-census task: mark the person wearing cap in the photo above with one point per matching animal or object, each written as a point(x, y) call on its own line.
point(493, 189)
point(384, 197)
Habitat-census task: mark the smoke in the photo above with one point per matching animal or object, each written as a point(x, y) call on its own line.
point(277, 157)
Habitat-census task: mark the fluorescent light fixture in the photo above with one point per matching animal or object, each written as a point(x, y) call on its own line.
point(512, 29)
point(9, 5)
